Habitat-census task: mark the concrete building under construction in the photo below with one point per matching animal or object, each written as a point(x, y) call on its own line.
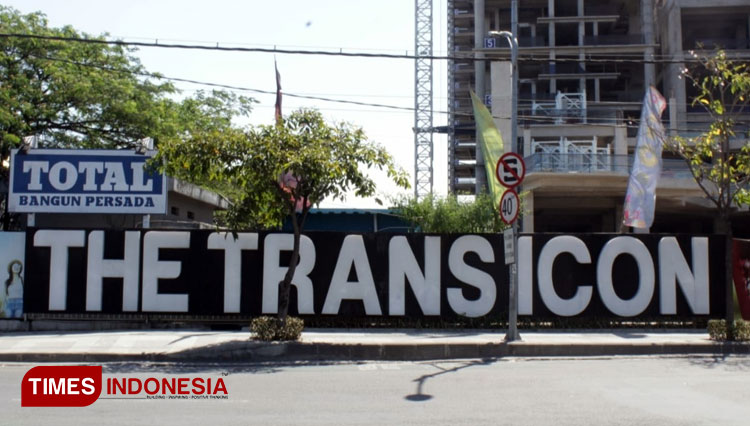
point(583, 70)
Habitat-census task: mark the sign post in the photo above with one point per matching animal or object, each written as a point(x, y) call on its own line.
point(510, 171)
point(509, 246)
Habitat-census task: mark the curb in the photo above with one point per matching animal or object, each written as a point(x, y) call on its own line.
point(251, 351)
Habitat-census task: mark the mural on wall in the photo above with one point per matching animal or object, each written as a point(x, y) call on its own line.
point(12, 265)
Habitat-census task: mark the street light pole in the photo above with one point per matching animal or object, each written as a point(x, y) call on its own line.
point(512, 333)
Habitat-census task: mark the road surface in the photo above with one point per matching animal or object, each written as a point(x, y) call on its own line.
point(513, 391)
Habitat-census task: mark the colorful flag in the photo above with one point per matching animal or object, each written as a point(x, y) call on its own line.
point(640, 199)
point(278, 93)
point(491, 144)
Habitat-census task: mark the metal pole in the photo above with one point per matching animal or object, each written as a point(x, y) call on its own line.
point(512, 333)
point(480, 173)
point(513, 296)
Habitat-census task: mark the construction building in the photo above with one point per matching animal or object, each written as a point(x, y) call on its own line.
point(583, 69)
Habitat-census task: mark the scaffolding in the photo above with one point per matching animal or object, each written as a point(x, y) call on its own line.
point(423, 99)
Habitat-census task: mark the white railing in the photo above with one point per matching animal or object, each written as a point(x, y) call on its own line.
point(573, 154)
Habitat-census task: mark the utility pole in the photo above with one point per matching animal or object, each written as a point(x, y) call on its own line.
point(512, 333)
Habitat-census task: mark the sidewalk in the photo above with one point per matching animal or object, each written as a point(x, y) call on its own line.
point(351, 345)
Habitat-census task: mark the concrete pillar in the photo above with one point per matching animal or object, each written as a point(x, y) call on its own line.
point(479, 88)
point(526, 142)
point(551, 35)
point(597, 90)
point(502, 102)
point(621, 140)
point(581, 24)
point(647, 29)
point(528, 212)
point(672, 41)
point(581, 53)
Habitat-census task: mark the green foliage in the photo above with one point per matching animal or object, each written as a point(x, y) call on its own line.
point(741, 330)
point(326, 160)
point(92, 95)
point(718, 330)
point(723, 173)
point(280, 171)
point(268, 329)
point(449, 215)
point(73, 94)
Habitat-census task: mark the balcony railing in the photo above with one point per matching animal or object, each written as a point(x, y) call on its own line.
point(612, 39)
point(576, 163)
point(491, 42)
point(598, 163)
point(588, 163)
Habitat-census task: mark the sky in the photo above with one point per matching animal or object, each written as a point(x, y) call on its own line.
point(382, 26)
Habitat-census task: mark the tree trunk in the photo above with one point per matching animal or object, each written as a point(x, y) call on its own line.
point(5, 215)
point(724, 227)
point(285, 285)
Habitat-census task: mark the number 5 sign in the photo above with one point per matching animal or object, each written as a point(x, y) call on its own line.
point(510, 170)
point(509, 206)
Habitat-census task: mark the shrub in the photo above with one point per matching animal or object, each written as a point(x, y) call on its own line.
point(269, 328)
point(717, 330)
point(741, 330)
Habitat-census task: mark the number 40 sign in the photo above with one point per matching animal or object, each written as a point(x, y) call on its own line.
point(509, 206)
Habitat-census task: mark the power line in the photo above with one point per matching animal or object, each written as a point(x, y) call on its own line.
point(301, 96)
point(540, 119)
point(523, 57)
point(217, 47)
point(226, 86)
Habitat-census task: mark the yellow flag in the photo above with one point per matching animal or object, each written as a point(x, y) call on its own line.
point(491, 144)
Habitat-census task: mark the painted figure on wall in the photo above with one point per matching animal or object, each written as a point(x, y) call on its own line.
point(13, 291)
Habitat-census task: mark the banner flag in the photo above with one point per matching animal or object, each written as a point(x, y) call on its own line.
point(640, 199)
point(277, 108)
point(491, 143)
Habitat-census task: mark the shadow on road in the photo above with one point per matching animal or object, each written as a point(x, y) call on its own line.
point(629, 335)
point(420, 396)
point(728, 362)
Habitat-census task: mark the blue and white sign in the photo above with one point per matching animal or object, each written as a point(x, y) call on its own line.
point(84, 181)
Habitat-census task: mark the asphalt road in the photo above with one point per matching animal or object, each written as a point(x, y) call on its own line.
point(606, 391)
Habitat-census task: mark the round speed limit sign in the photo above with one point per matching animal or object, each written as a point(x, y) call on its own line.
point(509, 206)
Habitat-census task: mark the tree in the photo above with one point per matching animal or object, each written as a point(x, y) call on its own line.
point(449, 215)
point(720, 169)
point(281, 171)
point(90, 95)
point(75, 94)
